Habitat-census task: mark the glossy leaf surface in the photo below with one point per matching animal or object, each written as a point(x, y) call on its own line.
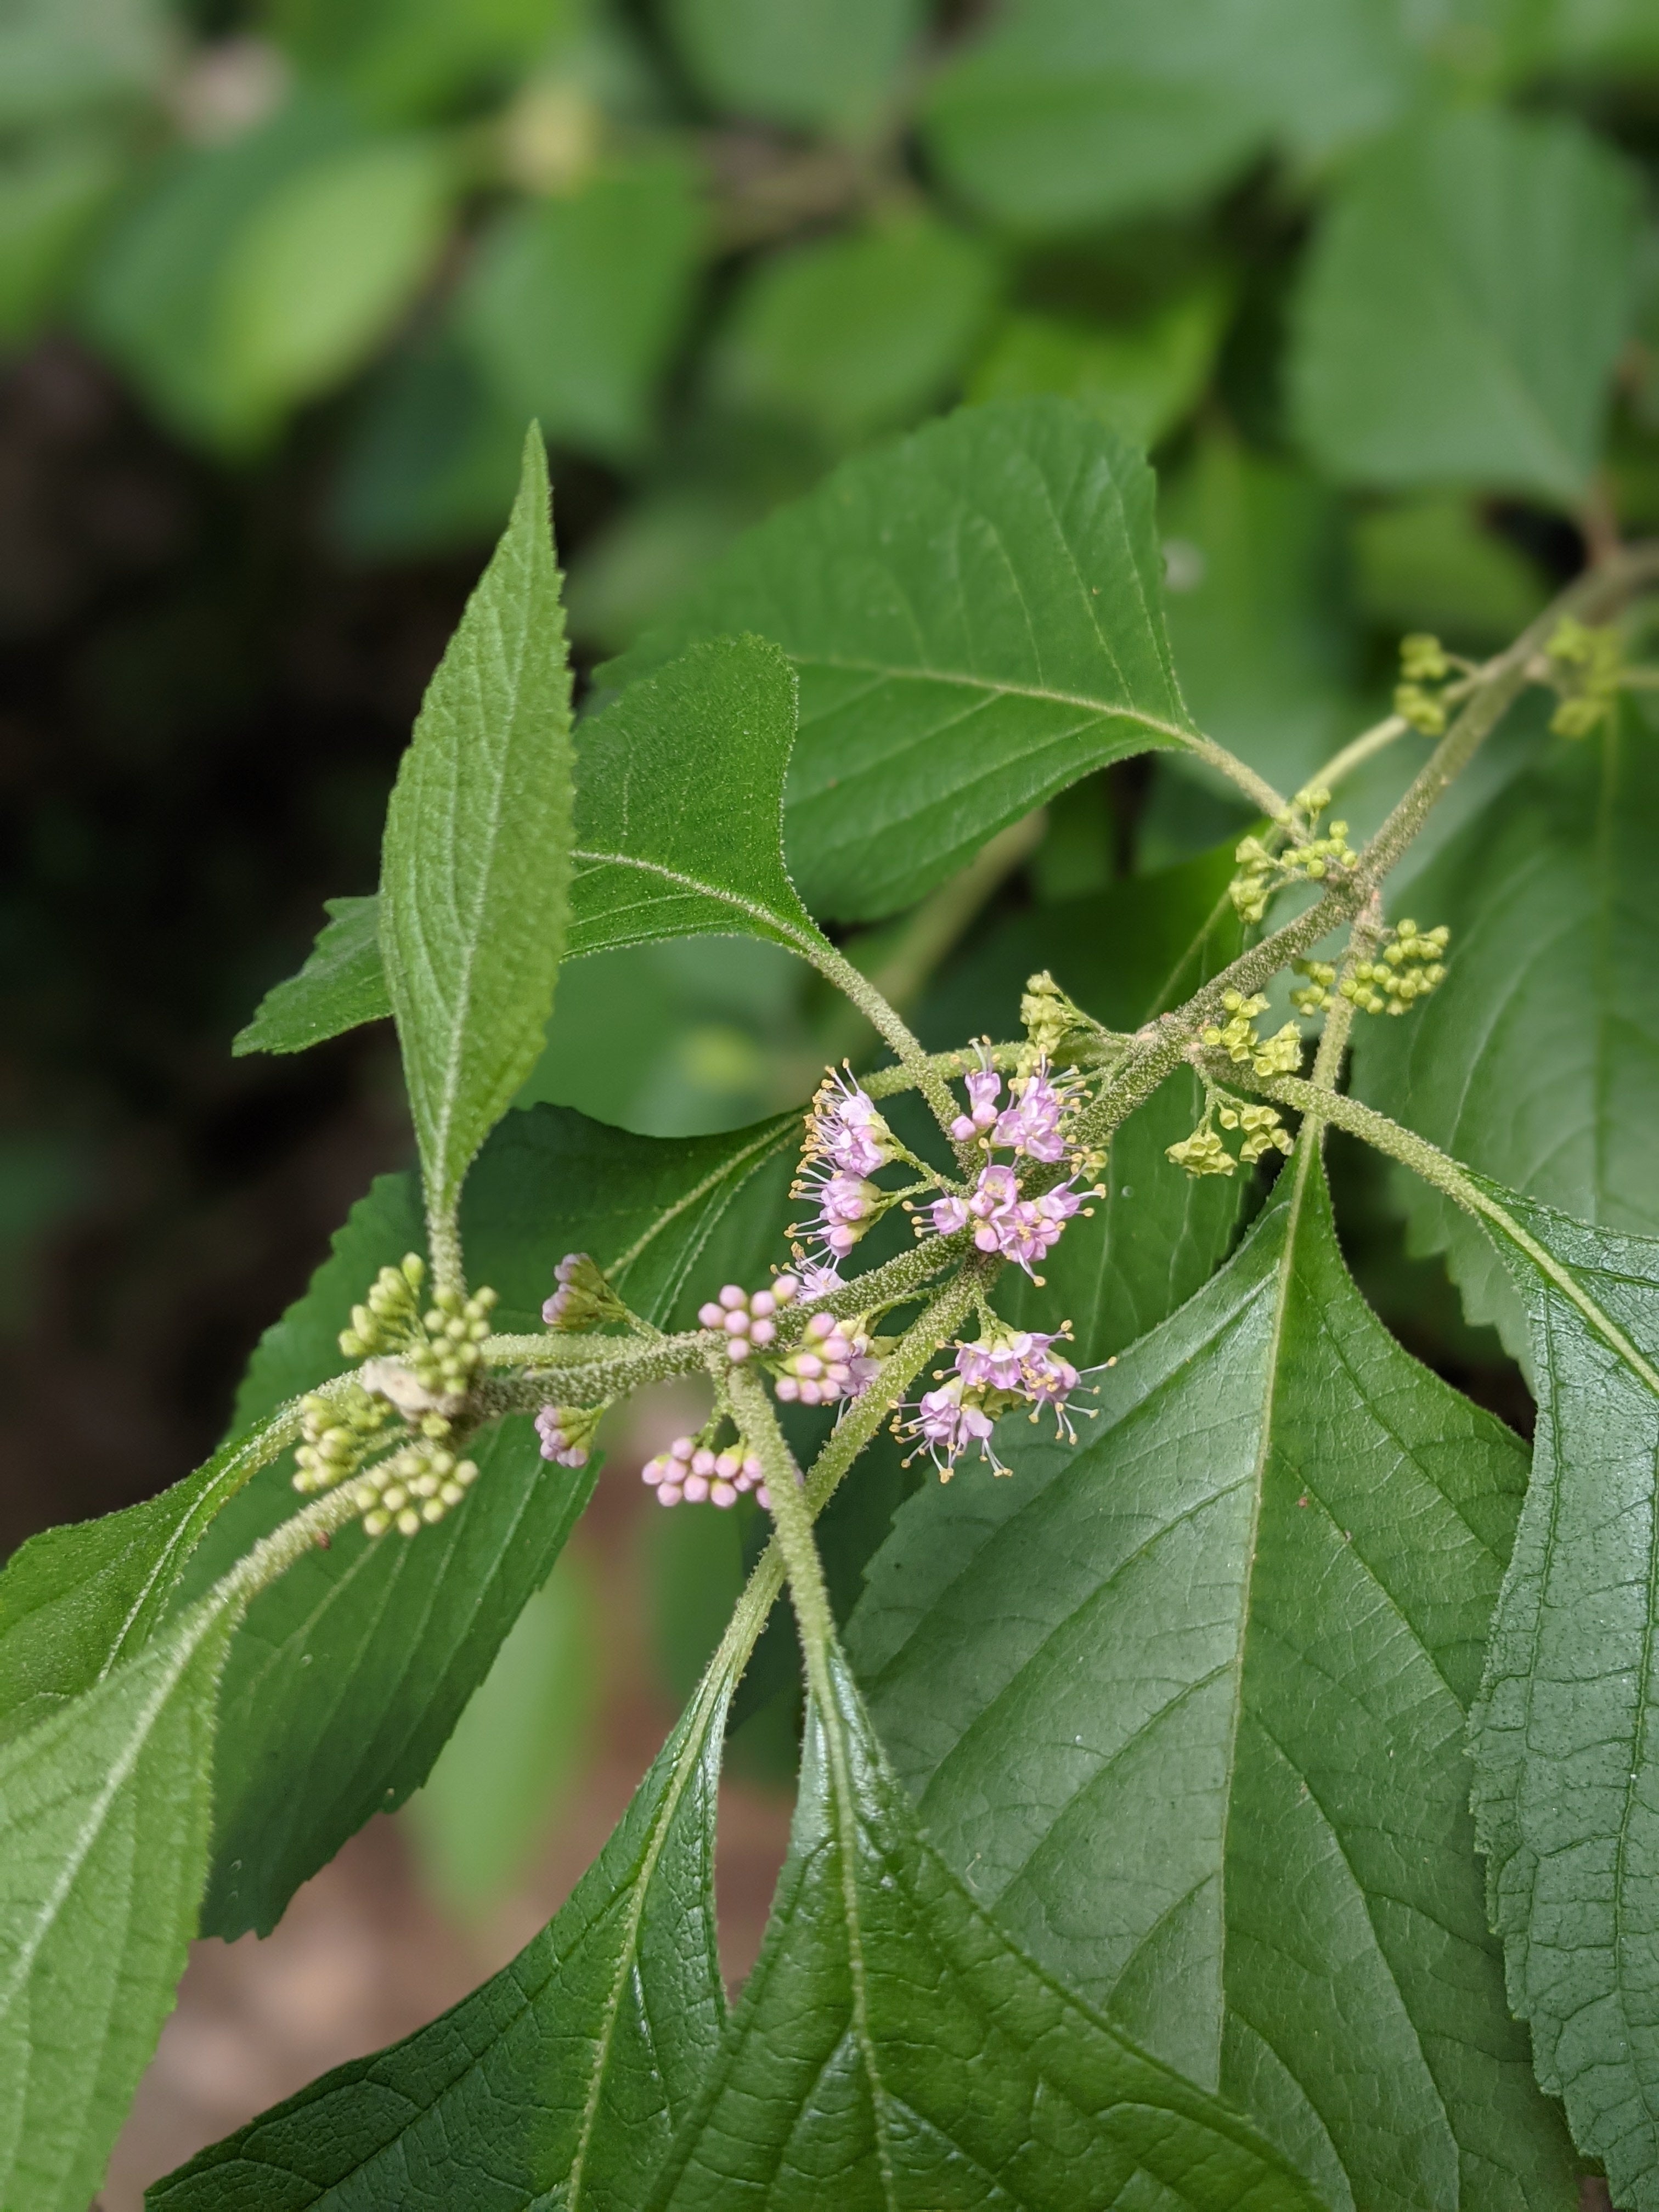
point(475, 868)
point(893, 2047)
point(1464, 306)
point(1184, 1706)
point(975, 616)
point(342, 984)
point(1537, 1061)
point(1566, 1797)
point(558, 2082)
point(104, 1811)
point(366, 1653)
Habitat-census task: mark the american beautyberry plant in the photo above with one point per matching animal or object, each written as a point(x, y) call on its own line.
point(1133, 1858)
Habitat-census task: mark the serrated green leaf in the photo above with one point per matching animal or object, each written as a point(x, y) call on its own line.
point(105, 1809)
point(475, 866)
point(857, 333)
point(1463, 307)
point(679, 810)
point(341, 985)
point(1184, 1706)
point(891, 2047)
point(1536, 1061)
point(1565, 1803)
point(1124, 954)
point(360, 1660)
point(811, 63)
point(975, 616)
point(75, 1601)
point(573, 305)
point(558, 2082)
point(1069, 113)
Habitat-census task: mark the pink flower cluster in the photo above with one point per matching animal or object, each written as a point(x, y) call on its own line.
point(1032, 1122)
point(1009, 1369)
point(695, 1472)
point(835, 1361)
point(847, 1141)
point(1023, 1230)
point(748, 1318)
point(566, 1433)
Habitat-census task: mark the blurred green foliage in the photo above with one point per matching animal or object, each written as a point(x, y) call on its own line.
point(1376, 281)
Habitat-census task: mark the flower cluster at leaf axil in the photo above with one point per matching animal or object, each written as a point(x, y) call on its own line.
point(993, 1376)
point(1205, 1154)
point(693, 1470)
point(440, 1349)
point(1035, 1124)
point(1408, 964)
point(1306, 855)
point(410, 1489)
point(1279, 1054)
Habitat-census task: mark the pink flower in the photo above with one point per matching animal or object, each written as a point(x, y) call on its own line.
point(1035, 1123)
point(945, 1423)
point(983, 1085)
point(846, 1129)
point(847, 1207)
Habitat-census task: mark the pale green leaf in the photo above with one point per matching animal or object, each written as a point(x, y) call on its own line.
point(558, 2082)
point(475, 867)
point(1140, 378)
point(1537, 1060)
point(975, 616)
point(1067, 112)
point(809, 64)
point(52, 191)
point(1463, 307)
point(323, 269)
point(857, 333)
point(1184, 1706)
point(61, 57)
point(105, 1809)
point(573, 305)
point(342, 984)
point(892, 2049)
point(1431, 563)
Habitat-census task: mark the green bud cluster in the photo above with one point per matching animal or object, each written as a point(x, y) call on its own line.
point(1056, 1025)
point(440, 1349)
point(1279, 1054)
point(1261, 1128)
point(336, 1437)
point(390, 1316)
point(413, 1488)
point(1306, 856)
point(1315, 995)
point(1204, 1154)
point(450, 1351)
point(1584, 664)
point(1409, 967)
point(1423, 661)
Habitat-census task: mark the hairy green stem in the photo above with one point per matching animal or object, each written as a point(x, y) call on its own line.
point(889, 1026)
point(792, 1521)
point(1256, 788)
